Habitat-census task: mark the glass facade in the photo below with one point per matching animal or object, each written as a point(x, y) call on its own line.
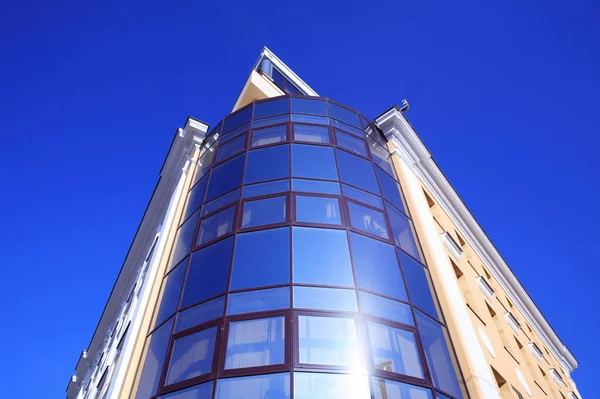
point(296, 272)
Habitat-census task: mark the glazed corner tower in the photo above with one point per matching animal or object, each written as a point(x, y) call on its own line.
point(299, 249)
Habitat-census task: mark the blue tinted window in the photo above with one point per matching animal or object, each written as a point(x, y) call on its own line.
point(367, 220)
point(274, 120)
point(321, 256)
point(419, 285)
point(268, 164)
point(235, 132)
point(362, 196)
point(200, 314)
point(357, 172)
point(273, 187)
point(395, 350)
point(202, 391)
point(317, 120)
point(351, 143)
point(208, 272)
point(268, 135)
point(388, 389)
point(229, 149)
point(307, 106)
point(269, 386)
point(187, 361)
point(345, 115)
point(376, 267)
point(380, 156)
point(225, 177)
point(339, 299)
point(216, 226)
point(264, 211)
point(403, 233)
point(184, 239)
point(331, 386)
point(318, 210)
point(221, 202)
point(157, 351)
point(314, 186)
point(313, 134)
point(237, 119)
point(390, 189)
point(195, 198)
point(259, 300)
point(261, 258)
point(385, 308)
point(271, 107)
point(313, 162)
point(254, 343)
point(204, 164)
point(347, 128)
point(171, 292)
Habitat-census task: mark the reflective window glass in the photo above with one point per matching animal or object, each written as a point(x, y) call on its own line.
point(395, 350)
point(254, 343)
point(385, 308)
point(225, 177)
point(235, 133)
point(268, 135)
point(155, 357)
point(403, 232)
point(216, 226)
point(362, 196)
point(367, 220)
point(439, 358)
point(345, 115)
point(351, 143)
point(261, 258)
point(376, 267)
point(268, 164)
point(340, 299)
point(258, 300)
point(195, 198)
point(419, 285)
point(271, 107)
point(388, 389)
point(315, 186)
point(316, 120)
point(390, 189)
point(272, 187)
point(208, 272)
point(237, 119)
point(200, 314)
point(321, 256)
point(221, 202)
point(228, 150)
point(380, 156)
point(184, 239)
point(169, 299)
point(204, 164)
point(270, 386)
point(357, 172)
point(202, 391)
point(313, 162)
point(192, 356)
point(273, 120)
point(318, 210)
point(264, 212)
point(440, 396)
point(347, 128)
point(307, 106)
point(314, 134)
point(330, 386)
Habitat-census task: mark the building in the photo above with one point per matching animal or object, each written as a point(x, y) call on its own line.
point(300, 250)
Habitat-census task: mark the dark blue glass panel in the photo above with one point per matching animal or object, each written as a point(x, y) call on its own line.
point(307, 106)
point(321, 256)
point(357, 172)
point(264, 211)
point(313, 162)
point(208, 272)
point(255, 343)
point(235, 133)
point(419, 285)
point(268, 135)
point(272, 187)
point(351, 143)
point(195, 198)
point(216, 226)
point(274, 120)
point(171, 292)
point(385, 308)
point(362, 196)
point(390, 189)
point(284, 84)
point(259, 300)
point(268, 164)
point(318, 210)
point(347, 128)
point(403, 233)
point(227, 150)
point(388, 389)
point(339, 299)
point(395, 350)
point(376, 267)
point(202, 391)
point(157, 351)
point(237, 119)
point(311, 133)
point(204, 164)
point(200, 314)
point(271, 107)
point(226, 177)
point(381, 156)
point(184, 239)
point(344, 115)
point(269, 386)
point(261, 258)
point(315, 186)
point(188, 360)
point(316, 120)
point(368, 220)
point(221, 202)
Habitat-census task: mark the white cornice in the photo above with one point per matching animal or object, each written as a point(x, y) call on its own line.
point(285, 70)
point(409, 146)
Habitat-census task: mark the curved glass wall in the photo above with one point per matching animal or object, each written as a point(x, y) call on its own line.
point(296, 272)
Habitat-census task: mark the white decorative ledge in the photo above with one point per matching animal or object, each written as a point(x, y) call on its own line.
point(486, 342)
point(512, 321)
point(537, 353)
point(452, 245)
point(556, 377)
point(485, 287)
point(573, 396)
point(524, 383)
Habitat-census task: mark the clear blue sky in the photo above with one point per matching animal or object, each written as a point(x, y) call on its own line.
point(505, 97)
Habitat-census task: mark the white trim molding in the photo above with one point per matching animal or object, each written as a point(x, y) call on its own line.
point(452, 245)
point(485, 287)
point(512, 321)
point(537, 353)
point(556, 376)
point(411, 149)
point(285, 70)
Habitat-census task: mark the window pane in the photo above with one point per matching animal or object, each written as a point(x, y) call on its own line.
point(195, 198)
point(381, 156)
point(229, 149)
point(387, 389)
point(225, 177)
point(271, 386)
point(317, 120)
point(306, 106)
point(325, 299)
point(268, 164)
point(385, 308)
point(259, 300)
point(351, 143)
point(402, 231)
point(347, 128)
point(235, 132)
point(216, 225)
point(328, 340)
point(367, 220)
point(221, 202)
point(439, 358)
point(204, 164)
point(313, 162)
point(192, 356)
point(155, 357)
point(440, 396)
point(200, 314)
point(419, 285)
point(184, 239)
point(318, 210)
point(320, 256)
point(274, 120)
point(272, 187)
point(269, 135)
point(390, 189)
point(330, 386)
point(271, 107)
point(344, 115)
point(315, 186)
point(237, 119)
point(171, 292)
point(376, 267)
point(394, 350)
point(261, 258)
point(202, 391)
point(208, 272)
point(264, 212)
point(253, 343)
point(362, 196)
point(315, 134)
point(357, 172)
